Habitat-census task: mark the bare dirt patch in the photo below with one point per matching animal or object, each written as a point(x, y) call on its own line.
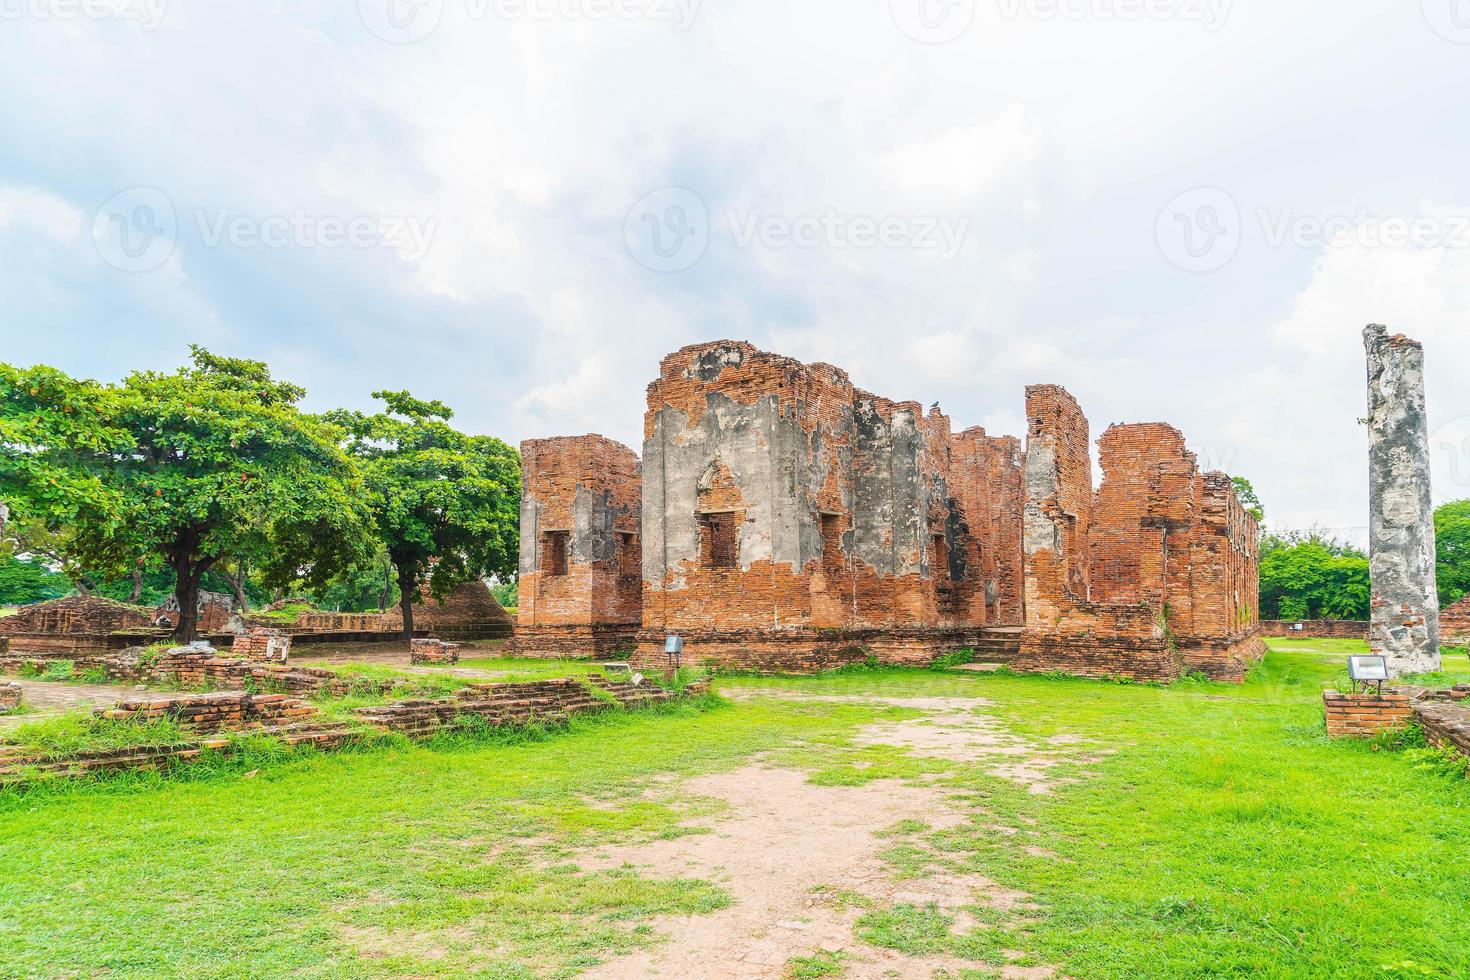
point(787, 847)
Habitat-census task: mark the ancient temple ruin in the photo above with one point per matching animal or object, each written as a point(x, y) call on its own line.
point(791, 521)
point(1405, 622)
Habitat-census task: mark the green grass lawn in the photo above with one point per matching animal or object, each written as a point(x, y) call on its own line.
point(1223, 835)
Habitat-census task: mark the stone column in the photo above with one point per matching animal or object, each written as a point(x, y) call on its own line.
point(1405, 592)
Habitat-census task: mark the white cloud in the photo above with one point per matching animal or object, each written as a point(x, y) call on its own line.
point(962, 163)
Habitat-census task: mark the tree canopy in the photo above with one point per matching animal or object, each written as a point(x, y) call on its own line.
point(1312, 576)
point(213, 461)
point(446, 505)
point(1452, 544)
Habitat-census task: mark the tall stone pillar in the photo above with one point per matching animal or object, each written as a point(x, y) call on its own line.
point(1405, 591)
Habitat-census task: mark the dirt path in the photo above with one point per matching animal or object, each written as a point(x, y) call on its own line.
point(789, 848)
point(56, 697)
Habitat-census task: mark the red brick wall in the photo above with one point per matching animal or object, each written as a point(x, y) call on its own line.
point(1454, 623)
point(77, 615)
point(1317, 629)
point(586, 491)
point(1363, 715)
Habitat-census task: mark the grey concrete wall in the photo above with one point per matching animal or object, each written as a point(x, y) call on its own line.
point(1405, 623)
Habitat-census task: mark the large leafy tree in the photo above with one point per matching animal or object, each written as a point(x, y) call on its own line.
point(446, 504)
point(1312, 576)
point(1248, 498)
point(1452, 542)
point(189, 468)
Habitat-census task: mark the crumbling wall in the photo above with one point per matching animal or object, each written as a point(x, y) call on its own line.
point(1405, 618)
point(1454, 624)
point(76, 615)
point(787, 515)
point(1153, 573)
point(581, 579)
point(215, 610)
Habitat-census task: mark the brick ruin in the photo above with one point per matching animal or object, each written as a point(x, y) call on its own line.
point(1454, 624)
point(791, 521)
point(214, 608)
point(581, 579)
point(1153, 573)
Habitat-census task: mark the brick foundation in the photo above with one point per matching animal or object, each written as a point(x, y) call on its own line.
point(574, 642)
point(226, 710)
point(1365, 715)
point(797, 650)
point(1316, 629)
point(433, 652)
point(1454, 624)
point(265, 645)
point(10, 695)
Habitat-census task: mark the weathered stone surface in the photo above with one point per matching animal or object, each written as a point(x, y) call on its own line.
point(581, 578)
point(1405, 621)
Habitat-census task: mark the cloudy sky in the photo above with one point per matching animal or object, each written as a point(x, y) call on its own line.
point(1181, 210)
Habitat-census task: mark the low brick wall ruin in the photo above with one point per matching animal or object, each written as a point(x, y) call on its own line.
point(10, 695)
point(799, 650)
point(1454, 624)
point(1316, 629)
point(572, 642)
point(227, 710)
point(290, 720)
point(1365, 715)
point(433, 652)
point(266, 645)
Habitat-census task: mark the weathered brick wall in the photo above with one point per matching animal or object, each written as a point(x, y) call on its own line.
point(268, 645)
point(1454, 624)
point(470, 612)
point(425, 651)
point(1317, 629)
point(77, 615)
point(215, 610)
point(1362, 715)
point(581, 563)
point(229, 710)
point(10, 695)
point(1153, 573)
point(779, 499)
point(1446, 723)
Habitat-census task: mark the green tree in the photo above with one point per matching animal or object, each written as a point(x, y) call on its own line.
point(1312, 576)
point(1452, 544)
point(26, 580)
point(446, 505)
point(1248, 498)
point(191, 468)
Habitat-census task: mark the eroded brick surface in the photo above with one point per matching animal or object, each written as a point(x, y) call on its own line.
point(1454, 624)
point(76, 615)
point(581, 553)
point(791, 521)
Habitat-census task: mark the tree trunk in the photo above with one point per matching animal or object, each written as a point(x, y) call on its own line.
point(387, 595)
point(186, 591)
point(237, 585)
point(137, 592)
point(407, 590)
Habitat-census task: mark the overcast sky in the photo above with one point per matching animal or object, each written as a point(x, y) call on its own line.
point(1181, 210)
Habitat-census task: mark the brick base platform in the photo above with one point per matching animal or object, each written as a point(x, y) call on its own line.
point(1365, 715)
point(1226, 660)
point(10, 695)
point(804, 651)
point(225, 710)
point(433, 652)
point(578, 642)
point(1316, 629)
